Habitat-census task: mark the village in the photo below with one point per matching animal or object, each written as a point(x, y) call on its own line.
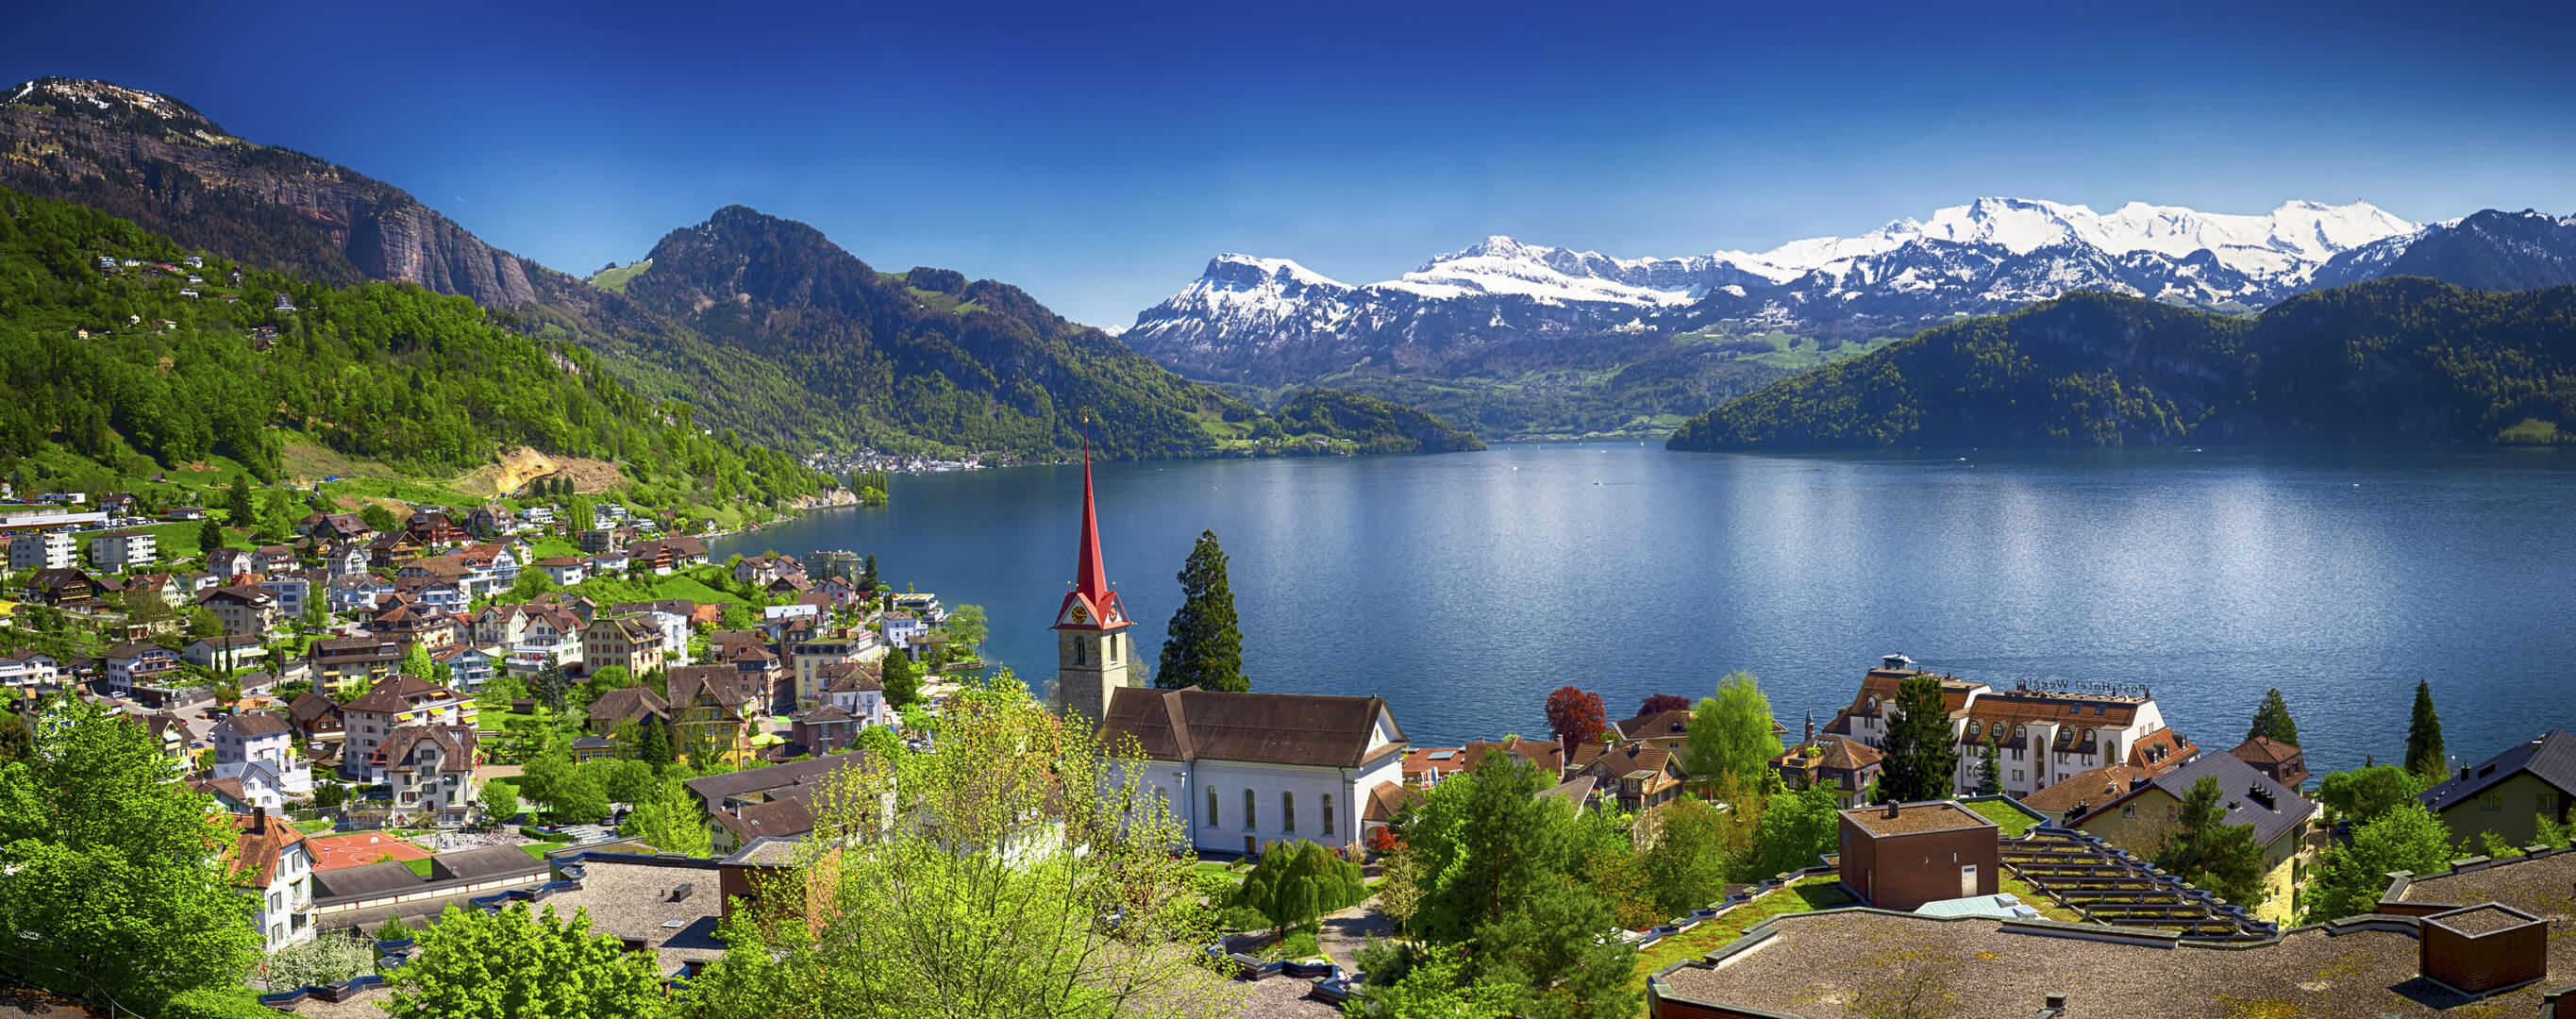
point(477, 707)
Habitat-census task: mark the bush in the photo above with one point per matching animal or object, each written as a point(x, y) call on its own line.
point(1298, 945)
point(543, 835)
point(1245, 918)
point(215, 1003)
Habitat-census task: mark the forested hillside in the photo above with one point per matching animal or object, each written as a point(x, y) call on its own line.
point(2394, 360)
point(118, 364)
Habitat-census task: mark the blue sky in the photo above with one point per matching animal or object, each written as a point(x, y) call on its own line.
point(1099, 157)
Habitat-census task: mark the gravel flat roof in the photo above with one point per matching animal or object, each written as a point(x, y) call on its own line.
point(1916, 818)
point(1827, 965)
point(633, 900)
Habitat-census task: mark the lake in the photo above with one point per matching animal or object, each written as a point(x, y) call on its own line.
point(1465, 587)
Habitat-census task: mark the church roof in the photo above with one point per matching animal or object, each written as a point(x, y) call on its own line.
point(1091, 605)
point(1192, 724)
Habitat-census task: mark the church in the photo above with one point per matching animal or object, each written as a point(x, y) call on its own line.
point(1241, 770)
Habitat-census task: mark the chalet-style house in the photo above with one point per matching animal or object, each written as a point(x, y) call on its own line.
point(244, 609)
point(431, 770)
point(624, 706)
point(2285, 762)
point(259, 746)
point(708, 714)
point(1840, 764)
point(275, 868)
point(2508, 793)
point(1637, 776)
point(353, 662)
point(2041, 736)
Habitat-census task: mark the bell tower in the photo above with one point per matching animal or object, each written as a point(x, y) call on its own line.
point(1092, 646)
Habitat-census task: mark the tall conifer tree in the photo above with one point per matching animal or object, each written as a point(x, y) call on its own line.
point(1921, 759)
point(2424, 754)
point(2273, 720)
point(1205, 648)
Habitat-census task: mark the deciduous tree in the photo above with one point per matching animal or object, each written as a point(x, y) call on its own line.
point(1204, 647)
point(514, 964)
point(1658, 703)
point(667, 819)
point(1795, 829)
point(1574, 716)
point(2351, 878)
point(1730, 734)
point(106, 854)
point(2363, 794)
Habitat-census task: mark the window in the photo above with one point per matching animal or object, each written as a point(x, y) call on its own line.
point(2017, 774)
point(1328, 813)
point(2129, 810)
point(2021, 731)
point(1287, 811)
point(2493, 800)
point(2547, 804)
point(1250, 819)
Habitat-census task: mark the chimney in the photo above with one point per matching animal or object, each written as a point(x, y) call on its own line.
point(2056, 1001)
point(2464, 773)
point(259, 820)
point(1894, 808)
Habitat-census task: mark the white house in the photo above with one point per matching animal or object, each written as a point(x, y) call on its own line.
point(468, 667)
point(291, 590)
point(430, 769)
point(1244, 770)
point(232, 651)
point(901, 626)
point(124, 550)
point(565, 570)
point(2041, 736)
point(352, 593)
point(139, 668)
point(27, 670)
point(260, 740)
point(276, 868)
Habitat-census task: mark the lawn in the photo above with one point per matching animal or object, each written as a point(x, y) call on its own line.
point(2036, 899)
point(2010, 818)
point(1813, 893)
point(535, 850)
point(420, 866)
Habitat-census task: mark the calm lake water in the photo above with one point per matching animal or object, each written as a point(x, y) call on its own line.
point(1464, 587)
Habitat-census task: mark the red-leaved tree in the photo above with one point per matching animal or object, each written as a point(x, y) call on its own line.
point(1575, 717)
point(1658, 703)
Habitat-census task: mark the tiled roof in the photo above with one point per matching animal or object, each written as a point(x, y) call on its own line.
point(1192, 724)
point(780, 818)
point(1388, 801)
point(258, 723)
point(2177, 751)
point(2237, 781)
point(456, 742)
point(1660, 725)
point(716, 681)
point(712, 790)
point(254, 854)
point(627, 704)
point(2094, 789)
point(2265, 750)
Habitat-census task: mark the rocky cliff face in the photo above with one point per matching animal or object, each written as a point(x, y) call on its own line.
point(155, 160)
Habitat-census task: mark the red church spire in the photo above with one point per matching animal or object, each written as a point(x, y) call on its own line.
point(1091, 604)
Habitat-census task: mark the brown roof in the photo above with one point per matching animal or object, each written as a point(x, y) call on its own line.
point(1916, 818)
point(1841, 753)
point(382, 701)
point(717, 681)
point(1660, 725)
point(2092, 788)
point(311, 705)
point(259, 723)
point(254, 855)
point(1191, 724)
point(712, 790)
point(1885, 682)
point(2265, 750)
point(784, 817)
point(1624, 760)
point(456, 741)
point(627, 704)
point(1389, 800)
point(2177, 751)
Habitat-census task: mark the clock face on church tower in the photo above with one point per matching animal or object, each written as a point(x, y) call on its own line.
point(1079, 614)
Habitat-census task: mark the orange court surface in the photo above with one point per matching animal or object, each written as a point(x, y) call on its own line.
point(360, 847)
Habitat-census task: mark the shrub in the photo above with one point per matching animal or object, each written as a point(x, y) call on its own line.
point(1298, 945)
point(1245, 918)
point(217, 1003)
point(543, 835)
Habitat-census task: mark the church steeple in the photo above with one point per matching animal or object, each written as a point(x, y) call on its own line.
point(1092, 648)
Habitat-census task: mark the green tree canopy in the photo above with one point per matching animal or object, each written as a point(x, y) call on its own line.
point(2219, 858)
point(514, 964)
point(666, 818)
point(105, 853)
point(2350, 879)
point(901, 678)
point(2272, 719)
point(2363, 794)
point(1730, 735)
point(1203, 646)
point(500, 801)
point(1795, 829)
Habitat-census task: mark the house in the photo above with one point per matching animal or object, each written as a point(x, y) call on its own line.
point(314, 715)
point(274, 866)
point(670, 615)
point(26, 672)
point(806, 659)
point(2285, 762)
point(1638, 776)
point(399, 702)
point(623, 706)
point(42, 550)
point(432, 529)
point(414, 625)
point(1902, 855)
point(733, 793)
point(1663, 730)
point(1248, 769)
point(228, 562)
point(244, 609)
point(347, 662)
point(2142, 817)
point(439, 594)
point(261, 743)
point(468, 667)
point(291, 589)
point(69, 588)
point(761, 569)
point(2041, 736)
point(124, 551)
point(898, 627)
point(565, 570)
point(388, 551)
point(488, 568)
point(334, 527)
point(268, 559)
point(586, 749)
point(597, 539)
point(2508, 793)
point(823, 729)
point(628, 642)
point(223, 654)
point(1844, 765)
point(146, 671)
point(710, 718)
point(610, 563)
point(857, 687)
point(430, 767)
point(355, 592)
point(490, 520)
point(756, 671)
point(344, 559)
point(1424, 767)
point(549, 634)
point(164, 585)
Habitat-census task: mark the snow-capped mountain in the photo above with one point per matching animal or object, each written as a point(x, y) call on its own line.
point(1271, 320)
